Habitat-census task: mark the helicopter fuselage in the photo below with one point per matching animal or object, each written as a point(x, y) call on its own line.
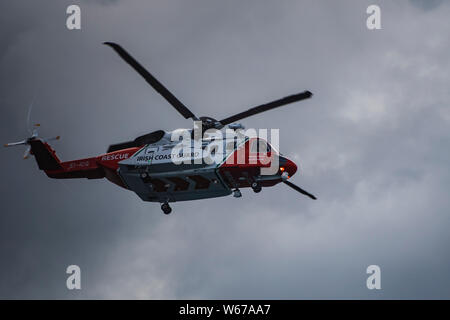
point(153, 174)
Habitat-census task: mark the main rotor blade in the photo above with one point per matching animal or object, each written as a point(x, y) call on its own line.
point(297, 188)
point(267, 106)
point(158, 86)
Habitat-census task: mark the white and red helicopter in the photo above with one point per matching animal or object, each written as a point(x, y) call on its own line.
point(144, 165)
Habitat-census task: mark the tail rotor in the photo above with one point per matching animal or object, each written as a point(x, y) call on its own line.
point(33, 130)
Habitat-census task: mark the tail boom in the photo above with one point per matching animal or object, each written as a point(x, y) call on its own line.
point(103, 166)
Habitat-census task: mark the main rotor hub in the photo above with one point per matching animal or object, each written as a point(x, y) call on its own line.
point(208, 123)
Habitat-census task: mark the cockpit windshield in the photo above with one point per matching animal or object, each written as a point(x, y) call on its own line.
point(260, 146)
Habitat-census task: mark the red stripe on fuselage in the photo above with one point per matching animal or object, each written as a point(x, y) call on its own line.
point(98, 167)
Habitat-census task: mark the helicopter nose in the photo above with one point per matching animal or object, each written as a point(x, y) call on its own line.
point(288, 166)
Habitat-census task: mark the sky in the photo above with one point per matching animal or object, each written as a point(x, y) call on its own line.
point(372, 144)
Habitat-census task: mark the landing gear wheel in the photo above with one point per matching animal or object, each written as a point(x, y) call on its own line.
point(256, 187)
point(166, 208)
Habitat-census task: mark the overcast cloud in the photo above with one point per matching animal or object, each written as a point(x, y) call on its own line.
point(373, 145)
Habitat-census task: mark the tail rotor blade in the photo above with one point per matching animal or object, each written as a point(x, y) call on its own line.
point(52, 138)
point(29, 118)
point(12, 144)
point(27, 152)
point(297, 188)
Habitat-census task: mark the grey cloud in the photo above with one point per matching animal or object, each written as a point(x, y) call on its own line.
point(427, 4)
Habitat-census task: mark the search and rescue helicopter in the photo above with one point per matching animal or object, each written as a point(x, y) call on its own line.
point(145, 165)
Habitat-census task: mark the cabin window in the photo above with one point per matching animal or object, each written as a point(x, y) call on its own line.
point(200, 182)
point(157, 184)
point(180, 184)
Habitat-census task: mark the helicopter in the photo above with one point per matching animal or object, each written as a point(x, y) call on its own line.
point(146, 164)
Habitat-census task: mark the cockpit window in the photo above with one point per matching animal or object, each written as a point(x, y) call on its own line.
point(260, 146)
point(263, 146)
point(231, 145)
point(254, 147)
